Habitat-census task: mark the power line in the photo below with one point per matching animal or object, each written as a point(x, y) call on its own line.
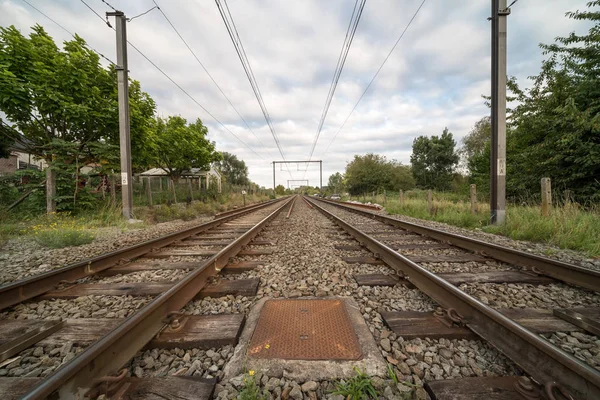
point(68, 31)
point(186, 93)
point(94, 11)
point(351, 30)
point(144, 13)
point(210, 76)
point(377, 73)
point(239, 48)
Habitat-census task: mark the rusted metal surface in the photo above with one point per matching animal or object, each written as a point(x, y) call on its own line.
point(566, 272)
point(291, 207)
point(542, 360)
point(19, 291)
point(304, 330)
point(107, 355)
point(360, 205)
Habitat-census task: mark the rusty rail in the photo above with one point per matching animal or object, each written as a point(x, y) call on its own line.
point(28, 288)
point(113, 350)
point(291, 207)
point(542, 360)
point(573, 274)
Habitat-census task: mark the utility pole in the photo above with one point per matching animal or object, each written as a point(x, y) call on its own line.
point(123, 95)
point(273, 175)
point(321, 174)
point(498, 117)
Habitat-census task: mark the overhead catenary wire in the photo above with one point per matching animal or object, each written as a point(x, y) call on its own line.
point(209, 75)
point(66, 30)
point(350, 32)
point(377, 73)
point(188, 94)
point(241, 52)
point(144, 13)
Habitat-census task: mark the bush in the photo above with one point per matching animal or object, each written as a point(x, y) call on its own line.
point(63, 237)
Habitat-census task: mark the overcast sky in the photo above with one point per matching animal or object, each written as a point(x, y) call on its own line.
point(434, 78)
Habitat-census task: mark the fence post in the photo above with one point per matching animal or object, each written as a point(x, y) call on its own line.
point(384, 197)
point(473, 199)
point(189, 181)
point(113, 189)
point(149, 190)
point(546, 197)
point(430, 201)
point(401, 197)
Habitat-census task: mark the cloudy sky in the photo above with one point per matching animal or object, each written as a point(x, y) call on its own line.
point(434, 78)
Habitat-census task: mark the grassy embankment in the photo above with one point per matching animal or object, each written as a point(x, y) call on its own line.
point(569, 226)
point(63, 229)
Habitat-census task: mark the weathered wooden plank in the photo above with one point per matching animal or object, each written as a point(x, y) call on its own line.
point(538, 320)
point(169, 388)
point(363, 260)
point(396, 238)
point(489, 388)
point(376, 280)
point(207, 242)
point(109, 289)
point(214, 237)
point(137, 267)
point(203, 332)
point(416, 324)
point(242, 266)
point(189, 243)
point(235, 287)
point(348, 247)
point(457, 278)
point(226, 230)
point(15, 388)
point(395, 232)
point(82, 331)
point(17, 335)
point(190, 253)
point(587, 319)
point(254, 252)
point(451, 258)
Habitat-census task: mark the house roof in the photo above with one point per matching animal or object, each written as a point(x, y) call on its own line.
point(194, 172)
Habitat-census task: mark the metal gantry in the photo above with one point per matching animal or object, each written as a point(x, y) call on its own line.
point(301, 162)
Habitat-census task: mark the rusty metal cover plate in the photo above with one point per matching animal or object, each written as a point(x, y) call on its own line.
point(304, 330)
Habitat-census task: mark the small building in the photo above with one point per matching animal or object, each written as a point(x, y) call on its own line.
point(20, 159)
point(203, 177)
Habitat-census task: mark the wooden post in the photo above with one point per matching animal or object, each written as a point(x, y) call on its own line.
point(384, 197)
point(430, 201)
point(113, 189)
point(546, 197)
point(191, 190)
point(50, 189)
point(401, 198)
point(473, 199)
point(149, 190)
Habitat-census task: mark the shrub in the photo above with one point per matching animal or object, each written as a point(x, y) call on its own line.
point(358, 387)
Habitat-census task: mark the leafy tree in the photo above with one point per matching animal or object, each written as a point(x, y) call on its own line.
point(176, 146)
point(373, 172)
point(5, 140)
point(433, 161)
point(475, 142)
point(336, 183)
point(234, 170)
point(57, 98)
point(280, 190)
point(556, 126)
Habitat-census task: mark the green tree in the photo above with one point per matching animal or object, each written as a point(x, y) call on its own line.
point(234, 169)
point(475, 142)
point(280, 190)
point(433, 161)
point(336, 183)
point(63, 103)
point(555, 129)
point(5, 140)
point(374, 173)
point(176, 146)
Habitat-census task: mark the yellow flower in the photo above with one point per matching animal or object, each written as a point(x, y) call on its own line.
point(251, 372)
point(267, 346)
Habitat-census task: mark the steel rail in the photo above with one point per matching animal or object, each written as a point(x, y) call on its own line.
point(113, 350)
point(569, 273)
point(291, 207)
point(28, 288)
point(229, 212)
point(542, 360)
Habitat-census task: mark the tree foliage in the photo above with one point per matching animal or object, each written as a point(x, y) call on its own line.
point(373, 172)
point(554, 131)
point(280, 190)
point(336, 183)
point(176, 146)
point(433, 161)
point(234, 169)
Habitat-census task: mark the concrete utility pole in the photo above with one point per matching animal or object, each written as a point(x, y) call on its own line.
point(124, 135)
point(498, 118)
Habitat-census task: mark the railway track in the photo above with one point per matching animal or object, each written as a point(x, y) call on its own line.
point(207, 250)
point(159, 312)
point(516, 333)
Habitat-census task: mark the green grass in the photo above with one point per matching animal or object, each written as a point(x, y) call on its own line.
point(63, 237)
point(358, 387)
point(569, 226)
point(251, 390)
